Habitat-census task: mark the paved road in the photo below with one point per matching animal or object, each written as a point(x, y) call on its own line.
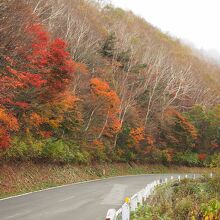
point(87, 201)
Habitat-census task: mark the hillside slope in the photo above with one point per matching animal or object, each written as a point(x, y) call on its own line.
point(85, 81)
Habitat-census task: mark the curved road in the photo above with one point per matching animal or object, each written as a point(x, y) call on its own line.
point(85, 201)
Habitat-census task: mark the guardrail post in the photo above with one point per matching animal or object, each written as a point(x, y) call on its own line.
point(118, 214)
point(211, 175)
point(143, 194)
point(139, 198)
point(179, 178)
point(125, 212)
point(147, 191)
point(166, 180)
point(133, 203)
point(110, 214)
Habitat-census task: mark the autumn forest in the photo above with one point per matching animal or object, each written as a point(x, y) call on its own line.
point(84, 82)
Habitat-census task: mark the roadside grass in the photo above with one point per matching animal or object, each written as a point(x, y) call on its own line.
point(19, 178)
point(186, 200)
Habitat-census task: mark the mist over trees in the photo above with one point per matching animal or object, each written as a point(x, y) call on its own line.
point(82, 81)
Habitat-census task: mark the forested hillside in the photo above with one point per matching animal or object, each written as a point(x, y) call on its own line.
point(83, 82)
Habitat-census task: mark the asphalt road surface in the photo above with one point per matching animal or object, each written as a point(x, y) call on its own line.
point(86, 201)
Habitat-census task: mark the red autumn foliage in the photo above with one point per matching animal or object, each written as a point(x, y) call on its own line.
point(202, 156)
point(214, 145)
point(8, 123)
point(46, 134)
point(43, 72)
point(51, 59)
point(4, 138)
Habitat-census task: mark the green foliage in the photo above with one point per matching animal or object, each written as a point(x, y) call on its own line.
point(60, 151)
point(98, 155)
point(108, 47)
point(156, 156)
point(124, 138)
point(177, 131)
point(214, 185)
point(143, 214)
point(125, 151)
point(207, 122)
point(124, 57)
point(183, 208)
point(213, 160)
point(136, 68)
point(24, 149)
point(186, 158)
point(56, 151)
point(52, 150)
point(211, 209)
point(18, 151)
point(188, 199)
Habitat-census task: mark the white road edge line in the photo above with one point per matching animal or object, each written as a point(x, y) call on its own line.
point(83, 182)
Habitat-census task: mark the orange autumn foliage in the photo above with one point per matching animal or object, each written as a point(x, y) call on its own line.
point(169, 155)
point(108, 104)
point(99, 87)
point(81, 68)
point(150, 140)
point(184, 123)
point(8, 120)
point(65, 100)
point(36, 119)
point(97, 144)
point(137, 134)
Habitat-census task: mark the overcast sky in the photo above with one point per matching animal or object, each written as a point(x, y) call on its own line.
point(195, 21)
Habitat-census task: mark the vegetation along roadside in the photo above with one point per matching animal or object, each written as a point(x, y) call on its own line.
point(185, 200)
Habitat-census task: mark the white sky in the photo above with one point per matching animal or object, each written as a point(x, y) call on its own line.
point(195, 21)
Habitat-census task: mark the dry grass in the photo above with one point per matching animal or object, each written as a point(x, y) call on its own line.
point(26, 177)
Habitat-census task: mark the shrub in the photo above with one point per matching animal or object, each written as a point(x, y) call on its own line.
point(185, 200)
point(56, 150)
point(50, 149)
point(156, 156)
point(187, 158)
point(211, 210)
point(213, 160)
point(98, 155)
point(60, 151)
point(19, 150)
point(214, 185)
point(183, 208)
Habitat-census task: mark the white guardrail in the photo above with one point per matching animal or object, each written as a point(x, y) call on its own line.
point(131, 204)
